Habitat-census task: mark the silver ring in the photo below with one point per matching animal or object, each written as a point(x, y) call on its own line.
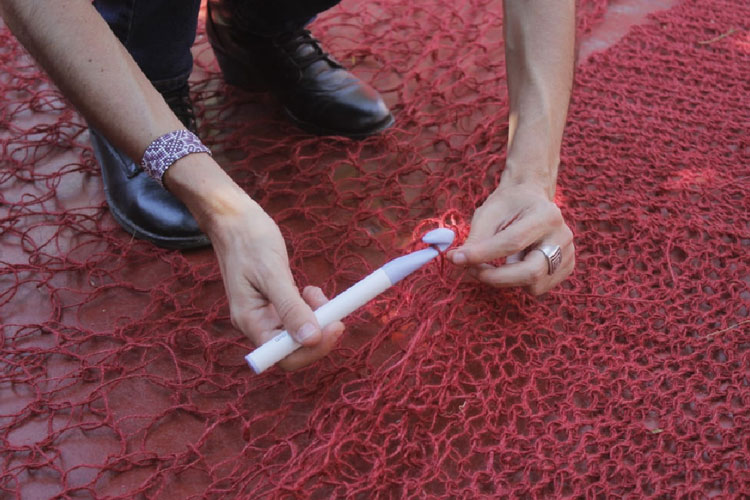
point(553, 254)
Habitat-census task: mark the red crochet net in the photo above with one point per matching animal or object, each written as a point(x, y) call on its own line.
point(121, 377)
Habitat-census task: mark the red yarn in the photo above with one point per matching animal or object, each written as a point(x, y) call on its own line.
point(121, 376)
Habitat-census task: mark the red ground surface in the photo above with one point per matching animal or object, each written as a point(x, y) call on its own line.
point(94, 403)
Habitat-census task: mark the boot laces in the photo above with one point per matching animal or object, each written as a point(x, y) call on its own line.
point(291, 42)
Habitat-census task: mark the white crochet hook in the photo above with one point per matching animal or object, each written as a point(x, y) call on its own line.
point(348, 301)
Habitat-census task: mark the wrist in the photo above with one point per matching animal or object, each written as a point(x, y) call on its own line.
point(534, 173)
point(208, 192)
point(167, 149)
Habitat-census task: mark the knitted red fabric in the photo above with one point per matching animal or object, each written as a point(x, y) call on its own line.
point(121, 377)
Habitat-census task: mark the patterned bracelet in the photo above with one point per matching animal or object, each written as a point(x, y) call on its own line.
point(167, 149)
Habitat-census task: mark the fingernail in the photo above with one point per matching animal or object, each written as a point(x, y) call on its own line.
point(459, 258)
point(340, 331)
point(306, 331)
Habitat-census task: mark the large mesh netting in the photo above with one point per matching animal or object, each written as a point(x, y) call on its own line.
point(121, 376)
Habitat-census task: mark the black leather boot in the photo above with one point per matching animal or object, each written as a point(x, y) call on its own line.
point(137, 202)
point(317, 93)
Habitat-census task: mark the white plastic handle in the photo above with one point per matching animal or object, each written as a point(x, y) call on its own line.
point(348, 301)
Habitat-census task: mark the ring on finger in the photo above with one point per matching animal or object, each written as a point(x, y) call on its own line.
point(553, 254)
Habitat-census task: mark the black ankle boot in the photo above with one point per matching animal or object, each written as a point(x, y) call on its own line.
point(317, 93)
point(137, 202)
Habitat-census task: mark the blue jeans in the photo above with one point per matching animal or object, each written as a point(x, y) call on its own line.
point(159, 33)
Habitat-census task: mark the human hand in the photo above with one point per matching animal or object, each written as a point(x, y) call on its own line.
point(254, 264)
point(263, 297)
point(513, 221)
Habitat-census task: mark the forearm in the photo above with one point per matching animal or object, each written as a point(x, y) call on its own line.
point(539, 45)
point(74, 45)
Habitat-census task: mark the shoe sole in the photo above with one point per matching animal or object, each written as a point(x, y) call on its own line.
point(160, 241)
point(321, 131)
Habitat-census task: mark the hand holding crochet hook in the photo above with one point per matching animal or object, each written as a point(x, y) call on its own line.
point(282, 345)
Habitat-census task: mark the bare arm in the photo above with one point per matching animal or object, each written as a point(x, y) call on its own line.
point(539, 51)
point(521, 214)
point(71, 41)
point(75, 46)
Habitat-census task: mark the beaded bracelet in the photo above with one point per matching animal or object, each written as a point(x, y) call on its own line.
point(167, 149)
